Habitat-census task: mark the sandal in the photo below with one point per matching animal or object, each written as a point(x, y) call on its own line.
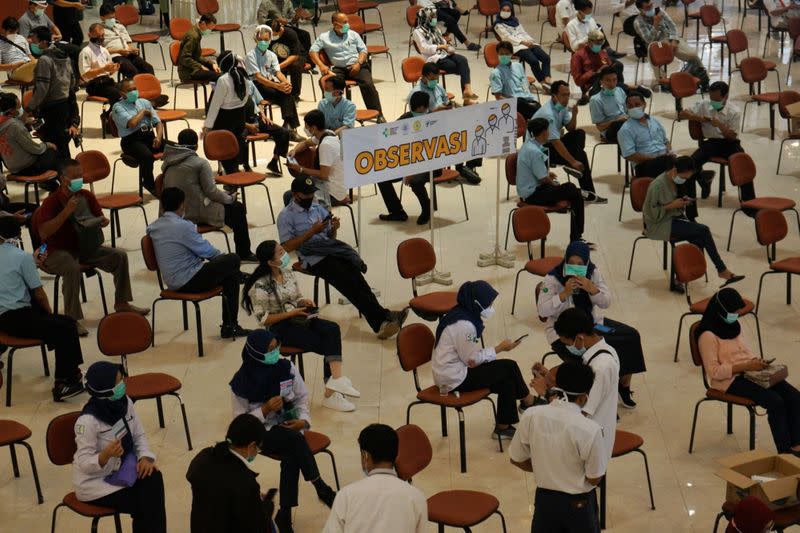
point(734, 279)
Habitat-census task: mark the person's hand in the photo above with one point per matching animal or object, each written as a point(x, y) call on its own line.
point(203, 133)
point(252, 129)
point(529, 44)
point(105, 222)
point(296, 425)
point(156, 143)
point(215, 68)
point(569, 287)
point(71, 206)
point(355, 68)
point(132, 51)
point(715, 122)
point(274, 404)
point(539, 384)
point(678, 203)
point(51, 146)
point(306, 302)
point(114, 449)
point(755, 364)
point(73, 131)
point(286, 88)
point(293, 167)
point(79, 6)
point(145, 467)
point(505, 345)
point(299, 311)
point(19, 217)
point(18, 64)
point(335, 223)
point(319, 226)
point(291, 153)
point(586, 284)
point(657, 19)
point(443, 47)
point(324, 70)
point(39, 258)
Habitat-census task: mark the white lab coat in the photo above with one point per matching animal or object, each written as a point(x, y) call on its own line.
point(457, 346)
point(550, 305)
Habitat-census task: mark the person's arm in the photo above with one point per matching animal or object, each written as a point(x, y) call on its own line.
point(251, 66)
point(728, 130)
point(313, 55)
point(209, 186)
point(470, 353)
point(601, 389)
point(627, 147)
point(685, 114)
point(198, 245)
point(189, 50)
point(644, 29)
point(425, 47)
point(552, 300)
point(502, 31)
point(519, 451)
point(575, 40)
point(87, 459)
point(242, 405)
point(300, 396)
point(563, 152)
point(292, 244)
point(668, 25)
point(595, 458)
point(348, 117)
point(573, 119)
point(25, 141)
point(50, 227)
point(336, 518)
point(602, 298)
point(138, 117)
point(219, 95)
point(40, 296)
point(41, 83)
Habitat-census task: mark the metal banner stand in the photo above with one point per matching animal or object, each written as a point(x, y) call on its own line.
point(377, 293)
point(497, 257)
point(434, 276)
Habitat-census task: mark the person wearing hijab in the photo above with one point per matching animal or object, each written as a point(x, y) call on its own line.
point(228, 107)
point(577, 282)
point(271, 389)
point(449, 13)
point(459, 364)
point(271, 291)
point(113, 465)
point(726, 357)
point(751, 515)
point(225, 494)
point(429, 42)
point(508, 28)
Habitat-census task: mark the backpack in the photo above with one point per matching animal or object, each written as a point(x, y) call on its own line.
point(146, 7)
point(108, 124)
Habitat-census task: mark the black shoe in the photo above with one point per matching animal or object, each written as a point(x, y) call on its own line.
point(469, 175)
point(644, 91)
point(326, 494)
point(424, 218)
point(249, 258)
point(613, 54)
point(283, 521)
point(625, 398)
point(160, 101)
point(231, 332)
point(705, 178)
point(584, 100)
point(474, 47)
point(394, 217)
point(295, 137)
point(64, 390)
point(676, 287)
point(273, 168)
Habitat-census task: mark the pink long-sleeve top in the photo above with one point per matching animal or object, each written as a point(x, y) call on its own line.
point(719, 356)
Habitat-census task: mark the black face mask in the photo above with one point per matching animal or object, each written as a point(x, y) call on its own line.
point(305, 203)
point(96, 40)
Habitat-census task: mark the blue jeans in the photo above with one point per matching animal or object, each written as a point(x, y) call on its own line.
point(700, 236)
point(782, 403)
point(538, 60)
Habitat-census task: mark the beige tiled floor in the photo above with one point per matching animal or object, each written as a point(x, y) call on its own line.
point(686, 491)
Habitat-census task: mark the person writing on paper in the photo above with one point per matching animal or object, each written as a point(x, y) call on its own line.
point(727, 359)
point(113, 466)
point(459, 364)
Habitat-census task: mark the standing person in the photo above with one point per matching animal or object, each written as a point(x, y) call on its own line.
point(25, 312)
point(508, 80)
point(113, 470)
point(291, 52)
point(340, 113)
point(607, 106)
point(96, 67)
point(191, 63)
point(508, 29)
point(328, 171)
point(459, 364)
point(272, 293)
point(225, 493)
point(120, 45)
point(271, 389)
point(286, 14)
point(381, 501)
point(68, 15)
point(449, 13)
point(566, 453)
point(15, 54)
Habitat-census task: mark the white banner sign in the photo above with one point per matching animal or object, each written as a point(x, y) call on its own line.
point(428, 142)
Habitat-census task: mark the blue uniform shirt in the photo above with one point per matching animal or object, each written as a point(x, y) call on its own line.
point(438, 96)
point(341, 113)
point(295, 221)
point(264, 63)
point(531, 168)
point(18, 277)
point(557, 119)
point(605, 108)
point(510, 81)
point(646, 139)
point(180, 250)
point(342, 51)
point(123, 111)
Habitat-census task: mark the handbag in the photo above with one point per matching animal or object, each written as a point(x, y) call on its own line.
point(88, 229)
point(126, 475)
point(768, 377)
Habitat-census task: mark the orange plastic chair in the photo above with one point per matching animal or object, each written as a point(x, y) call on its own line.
point(360, 27)
point(128, 15)
point(771, 228)
point(638, 189)
point(178, 28)
point(35, 181)
point(710, 16)
point(625, 442)
point(661, 56)
point(411, 20)
point(19, 343)
point(416, 257)
point(681, 85)
point(786, 98)
point(317, 442)
point(15, 434)
point(530, 223)
point(368, 27)
point(489, 9)
point(551, 21)
point(754, 71)
point(211, 7)
point(174, 49)
point(696, 133)
point(150, 88)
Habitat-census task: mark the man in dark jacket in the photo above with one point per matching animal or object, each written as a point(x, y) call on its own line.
point(191, 63)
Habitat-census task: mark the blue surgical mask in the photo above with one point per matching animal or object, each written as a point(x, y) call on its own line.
point(20, 112)
point(132, 96)
point(578, 352)
point(596, 48)
point(118, 391)
point(609, 92)
point(263, 45)
point(505, 59)
point(272, 356)
point(636, 113)
point(432, 84)
point(432, 22)
point(39, 12)
point(206, 32)
point(36, 49)
point(575, 270)
point(329, 96)
point(587, 18)
point(730, 318)
point(285, 260)
point(250, 459)
point(75, 185)
point(110, 23)
point(679, 180)
point(558, 106)
point(650, 12)
point(415, 114)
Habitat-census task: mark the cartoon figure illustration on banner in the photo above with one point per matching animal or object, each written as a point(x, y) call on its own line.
point(507, 122)
point(479, 143)
point(492, 123)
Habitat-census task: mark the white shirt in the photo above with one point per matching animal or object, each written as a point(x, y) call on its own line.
point(516, 35)
point(578, 31)
point(380, 502)
point(618, 6)
point(564, 9)
point(116, 38)
point(564, 447)
point(297, 394)
point(602, 404)
point(457, 346)
point(330, 155)
point(93, 57)
point(224, 97)
point(550, 305)
point(728, 115)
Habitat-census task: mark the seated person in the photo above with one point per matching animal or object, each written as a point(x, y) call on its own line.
point(579, 28)
point(96, 67)
point(577, 282)
point(120, 45)
point(57, 221)
point(726, 360)
point(665, 220)
point(205, 203)
point(565, 11)
point(140, 130)
point(340, 113)
point(292, 52)
point(15, 53)
point(192, 66)
point(587, 63)
point(263, 68)
point(508, 80)
point(419, 106)
point(272, 293)
point(287, 15)
point(308, 228)
point(607, 106)
point(780, 12)
point(102, 463)
point(348, 55)
point(459, 364)
point(189, 263)
point(435, 48)
point(270, 388)
point(570, 148)
point(448, 12)
point(328, 171)
point(20, 153)
point(25, 312)
point(509, 29)
point(259, 122)
point(536, 185)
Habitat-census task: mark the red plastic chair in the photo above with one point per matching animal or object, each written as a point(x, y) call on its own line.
point(771, 228)
point(211, 7)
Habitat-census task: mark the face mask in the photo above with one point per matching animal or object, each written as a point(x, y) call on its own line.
point(576, 351)
point(609, 92)
point(596, 48)
point(679, 180)
point(505, 60)
point(263, 45)
point(432, 22)
point(307, 131)
point(36, 49)
point(415, 114)
point(505, 14)
point(305, 203)
point(329, 96)
point(636, 112)
point(250, 459)
point(432, 84)
point(345, 29)
point(730, 318)
point(486, 312)
point(575, 270)
point(272, 356)
point(285, 261)
point(132, 96)
point(587, 18)
point(118, 391)
point(650, 12)
point(97, 40)
point(716, 106)
point(206, 32)
point(558, 106)
point(39, 12)
point(110, 23)
point(75, 185)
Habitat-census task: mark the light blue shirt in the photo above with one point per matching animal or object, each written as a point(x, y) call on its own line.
point(341, 113)
point(646, 139)
point(123, 111)
point(606, 108)
point(557, 119)
point(295, 221)
point(180, 250)
point(438, 96)
point(264, 63)
point(531, 168)
point(18, 277)
point(510, 81)
point(342, 51)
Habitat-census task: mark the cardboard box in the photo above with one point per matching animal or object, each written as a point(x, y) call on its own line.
point(777, 477)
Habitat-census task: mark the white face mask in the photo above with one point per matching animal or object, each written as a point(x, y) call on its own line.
point(307, 131)
point(505, 14)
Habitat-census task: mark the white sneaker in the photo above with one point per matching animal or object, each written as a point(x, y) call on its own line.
point(343, 385)
point(338, 402)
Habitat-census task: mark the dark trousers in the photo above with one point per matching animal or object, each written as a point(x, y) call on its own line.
point(103, 86)
point(538, 60)
point(71, 31)
point(285, 102)
point(351, 283)
point(220, 270)
point(317, 336)
point(59, 332)
point(236, 219)
point(132, 65)
point(502, 377)
point(708, 148)
point(655, 167)
point(44, 162)
point(57, 121)
point(364, 79)
point(559, 512)
point(527, 108)
point(295, 74)
point(139, 145)
point(456, 64)
point(295, 456)
point(552, 194)
point(279, 135)
point(233, 120)
point(610, 133)
point(699, 235)
point(575, 143)
point(417, 184)
point(203, 75)
point(450, 18)
point(144, 501)
point(624, 339)
point(782, 402)
point(13, 207)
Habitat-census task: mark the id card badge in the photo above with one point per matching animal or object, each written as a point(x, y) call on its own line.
point(119, 430)
point(286, 388)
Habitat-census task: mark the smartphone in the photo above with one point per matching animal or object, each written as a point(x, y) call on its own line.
point(519, 339)
point(602, 328)
point(42, 248)
point(327, 218)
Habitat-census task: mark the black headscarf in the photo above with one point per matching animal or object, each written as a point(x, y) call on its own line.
point(229, 64)
point(473, 297)
point(511, 21)
point(581, 299)
point(100, 380)
point(725, 301)
point(255, 380)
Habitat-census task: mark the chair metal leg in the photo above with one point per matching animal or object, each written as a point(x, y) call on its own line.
point(160, 411)
point(185, 316)
point(729, 428)
point(333, 464)
point(462, 440)
point(508, 226)
point(502, 519)
point(514, 299)
point(603, 502)
point(694, 422)
point(14, 463)
point(185, 420)
point(102, 293)
point(716, 521)
point(633, 253)
point(9, 374)
point(758, 334)
point(752, 413)
point(45, 363)
point(408, 410)
point(33, 469)
point(199, 328)
point(730, 230)
point(444, 420)
point(55, 510)
point(464, 199)
point(649, 484)
point(678, 339)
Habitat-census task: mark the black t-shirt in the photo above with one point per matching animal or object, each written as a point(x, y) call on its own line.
point(65, 15)
point(287, 45)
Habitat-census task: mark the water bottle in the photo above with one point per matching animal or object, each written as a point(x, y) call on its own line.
point(443, 390)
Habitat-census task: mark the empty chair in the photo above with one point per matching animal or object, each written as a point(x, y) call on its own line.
point(211, 7)
point(771, 228)
point(754, 71)
point(416, 257)
point(12, 434)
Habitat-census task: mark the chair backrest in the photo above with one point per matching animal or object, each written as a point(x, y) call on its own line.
point(639, 188)
point(786, 98)
point(174, 50)
point(323, 56)
point(411, 15)
point(710, 15)
point(660, 54)
point(415, 257)
point(522, 125)
point(689, 261)
point(742, 169)
point(206, 7)
point(220, 145)
point(696, 130)
point(304, 159)
point(694, 348)
point(94, 164)
point(489, 8)
point(490, 55)
point(530, 223)
point(148, 86)
point(771, 226)
point(551, 15)
point(356, 23)
point(178, 28)
point(414, 451)
point(411, 68)
point(123, 334)
point(511, 169)
point(60, 438)
point(149, 254)
point(682, 84)
point(348, 7)
point(753, 69)
point(793, 25)
point(126, 15)
point(414, 346)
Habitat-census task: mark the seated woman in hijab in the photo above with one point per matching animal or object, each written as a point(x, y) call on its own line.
point(726, 358)
point(508, 28)
point(113, 465)
point(271, 389)
point(577, 282)
point(460, 364)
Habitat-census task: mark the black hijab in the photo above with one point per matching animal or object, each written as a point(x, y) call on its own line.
point(725, 301)
point(473, 297)
point(581, 299)
point(255, 380)
point(100, 380)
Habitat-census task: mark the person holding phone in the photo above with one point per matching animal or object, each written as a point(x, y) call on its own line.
point(270, 388)
point(577, 282)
